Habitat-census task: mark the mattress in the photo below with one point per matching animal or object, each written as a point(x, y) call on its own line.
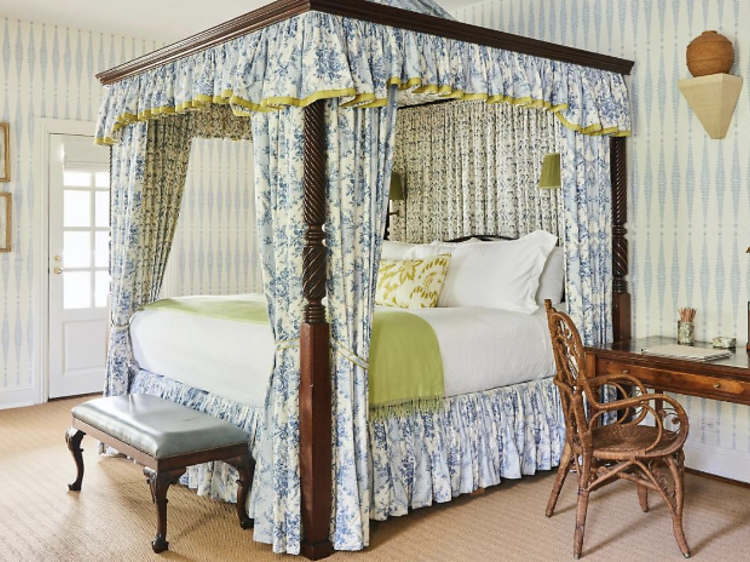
point(481, 349)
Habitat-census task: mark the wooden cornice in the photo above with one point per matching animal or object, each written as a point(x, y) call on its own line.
point(365, 11)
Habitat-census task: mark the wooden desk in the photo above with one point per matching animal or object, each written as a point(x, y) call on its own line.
point(726, 379)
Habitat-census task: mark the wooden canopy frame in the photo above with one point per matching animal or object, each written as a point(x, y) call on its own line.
point(315, 378)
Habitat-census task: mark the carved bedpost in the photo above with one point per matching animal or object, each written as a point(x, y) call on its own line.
point(315, 377)
point(621, 318)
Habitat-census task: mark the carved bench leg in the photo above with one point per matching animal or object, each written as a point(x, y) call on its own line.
point(160, 483)
point(73, 438)
point(246, 468)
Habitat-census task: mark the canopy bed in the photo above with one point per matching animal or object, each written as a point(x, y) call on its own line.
point(316, 84)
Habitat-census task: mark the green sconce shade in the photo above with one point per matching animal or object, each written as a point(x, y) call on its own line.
point(397, 188)
point(550, 178)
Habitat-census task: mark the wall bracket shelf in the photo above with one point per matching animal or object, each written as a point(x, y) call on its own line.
point(713, 99)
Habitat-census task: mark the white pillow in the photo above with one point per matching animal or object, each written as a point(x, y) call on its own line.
point(552, 280)
point(436, 248)
point(395, 250)
point(503, 275)
point(425, 251)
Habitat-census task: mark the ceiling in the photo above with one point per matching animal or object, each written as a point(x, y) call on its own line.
point(161, 20)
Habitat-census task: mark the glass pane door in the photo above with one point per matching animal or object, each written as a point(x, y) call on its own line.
point(85, 255)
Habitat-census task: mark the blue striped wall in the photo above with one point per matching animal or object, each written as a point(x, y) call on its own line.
point(47, 71)
point(215, 250)
point(689, 195)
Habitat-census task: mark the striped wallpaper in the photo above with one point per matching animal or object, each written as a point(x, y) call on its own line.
point(47, 71)
point(689, 195)
point(215, 250)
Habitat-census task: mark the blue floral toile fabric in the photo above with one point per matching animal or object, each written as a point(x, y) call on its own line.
point(321, 56)
point(422, 6)
point(419, 458)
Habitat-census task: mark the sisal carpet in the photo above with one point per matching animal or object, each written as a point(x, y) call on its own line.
point(113, 518)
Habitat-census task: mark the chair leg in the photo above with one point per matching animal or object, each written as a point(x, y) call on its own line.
point(643, 497)
point(581, 511)
point(246, 468)
point(562, 474)
point(73, 438)
point(159, 482)
point(675, 467)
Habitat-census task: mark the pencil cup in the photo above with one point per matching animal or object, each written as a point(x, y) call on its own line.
point(685, 332)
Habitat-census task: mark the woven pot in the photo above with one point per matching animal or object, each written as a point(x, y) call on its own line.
point(710, 53)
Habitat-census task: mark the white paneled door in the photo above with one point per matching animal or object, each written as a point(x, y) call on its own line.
point(78, 265)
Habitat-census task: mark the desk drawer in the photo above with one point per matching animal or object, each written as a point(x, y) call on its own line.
point(706, 386)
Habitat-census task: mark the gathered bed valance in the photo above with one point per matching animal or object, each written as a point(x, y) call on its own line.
point(317, 56)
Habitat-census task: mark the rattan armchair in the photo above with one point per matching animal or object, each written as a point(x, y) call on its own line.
point(648, 454)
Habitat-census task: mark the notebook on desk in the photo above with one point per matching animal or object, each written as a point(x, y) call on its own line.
point(686, 352)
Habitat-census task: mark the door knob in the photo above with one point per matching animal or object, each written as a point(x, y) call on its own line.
point(58, 270)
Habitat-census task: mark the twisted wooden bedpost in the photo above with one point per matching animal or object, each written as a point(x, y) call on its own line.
point(621, 318)
point(315, 378)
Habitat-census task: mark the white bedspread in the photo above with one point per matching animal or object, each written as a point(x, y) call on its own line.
point(481, 349)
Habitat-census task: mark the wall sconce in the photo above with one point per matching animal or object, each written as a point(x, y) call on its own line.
point(395, 193)
point(550, 178)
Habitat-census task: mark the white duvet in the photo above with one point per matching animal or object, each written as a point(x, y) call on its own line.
point(481, 349)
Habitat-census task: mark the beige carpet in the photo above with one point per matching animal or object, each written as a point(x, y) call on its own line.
point(113, 518)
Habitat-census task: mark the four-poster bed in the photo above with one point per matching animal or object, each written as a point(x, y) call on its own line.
point(317, 79)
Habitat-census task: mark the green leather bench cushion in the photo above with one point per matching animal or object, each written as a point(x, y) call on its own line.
point(158, 427)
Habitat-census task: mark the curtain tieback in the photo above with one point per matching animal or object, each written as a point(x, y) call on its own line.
point(338, 347)
point(283, 344)
point(349, 355)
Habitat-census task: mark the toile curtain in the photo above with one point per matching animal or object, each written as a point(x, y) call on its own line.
point(360, 146)
point(149, 168)
point(359, 158)
point(278, 150)
point(473, 168)
point(587, 200)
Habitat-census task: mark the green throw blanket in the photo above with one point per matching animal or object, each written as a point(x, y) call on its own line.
point(405, 364)
point(241, 308)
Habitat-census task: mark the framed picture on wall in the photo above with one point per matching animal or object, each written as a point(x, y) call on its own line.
point(4, 152)
point(6, 201)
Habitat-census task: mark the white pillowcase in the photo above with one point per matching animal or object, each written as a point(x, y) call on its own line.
point(552, 280)
point(436, 248)
point(503, 275)
point(395, 250)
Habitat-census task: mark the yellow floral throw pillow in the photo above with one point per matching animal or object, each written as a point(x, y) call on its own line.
point(411, 283)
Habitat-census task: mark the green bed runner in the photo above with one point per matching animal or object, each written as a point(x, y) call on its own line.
point(405, 363)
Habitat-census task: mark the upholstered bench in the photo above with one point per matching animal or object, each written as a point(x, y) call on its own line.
point(165, 438)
